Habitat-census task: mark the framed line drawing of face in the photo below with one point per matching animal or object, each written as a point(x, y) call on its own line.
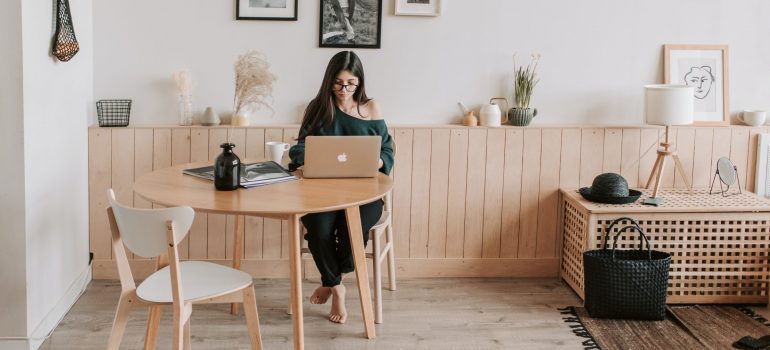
point(350, 24)
point(275, 10)
point(704, 67)
point(418, 7)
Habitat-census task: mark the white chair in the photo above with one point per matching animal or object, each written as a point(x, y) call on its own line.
point(153, 233)
point(379, 253)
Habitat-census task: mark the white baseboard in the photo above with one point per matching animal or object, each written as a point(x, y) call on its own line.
point(52, 319)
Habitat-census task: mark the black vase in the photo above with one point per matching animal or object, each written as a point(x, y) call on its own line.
point(227, 169)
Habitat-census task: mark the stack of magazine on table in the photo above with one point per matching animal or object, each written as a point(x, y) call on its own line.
point(252, 174)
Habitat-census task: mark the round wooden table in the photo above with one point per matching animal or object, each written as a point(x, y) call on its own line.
point(287, 201)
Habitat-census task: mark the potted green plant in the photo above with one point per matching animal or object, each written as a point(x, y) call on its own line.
point(524, 81)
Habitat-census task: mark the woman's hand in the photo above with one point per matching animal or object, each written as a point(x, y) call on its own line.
point(381, 163)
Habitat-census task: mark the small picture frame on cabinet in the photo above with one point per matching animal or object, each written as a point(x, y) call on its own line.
point(266, 10)
point(418, 7)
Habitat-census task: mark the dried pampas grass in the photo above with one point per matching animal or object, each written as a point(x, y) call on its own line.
point(253, 83)
point(183, 82)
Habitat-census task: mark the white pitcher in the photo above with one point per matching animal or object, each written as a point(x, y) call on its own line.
point(490, 114)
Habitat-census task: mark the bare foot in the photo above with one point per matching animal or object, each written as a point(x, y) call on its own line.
point(321, 295)
point(338, 314)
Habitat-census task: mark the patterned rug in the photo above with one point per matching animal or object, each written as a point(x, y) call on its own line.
point(685, 327)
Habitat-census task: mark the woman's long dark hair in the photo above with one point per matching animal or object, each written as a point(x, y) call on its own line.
point(320, 112)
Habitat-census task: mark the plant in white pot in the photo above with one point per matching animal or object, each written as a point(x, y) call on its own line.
point(524, 81)
point(253, 86)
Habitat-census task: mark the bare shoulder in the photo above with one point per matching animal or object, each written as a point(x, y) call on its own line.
point(373, 110)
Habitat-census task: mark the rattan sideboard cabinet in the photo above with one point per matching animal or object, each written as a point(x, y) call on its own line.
point(719, 245)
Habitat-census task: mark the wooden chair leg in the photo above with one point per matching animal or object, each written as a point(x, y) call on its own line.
point(153, 322)
point(252, 317)
point(377, 276)
point(187, 345)
point(180, 319)
point(119, 323)
point(391, 257)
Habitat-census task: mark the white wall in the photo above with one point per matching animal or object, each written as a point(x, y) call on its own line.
point(13, 289)
point(597, 55)
point(45, 156)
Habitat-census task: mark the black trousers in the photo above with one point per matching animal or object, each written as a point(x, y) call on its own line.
point(328, 240)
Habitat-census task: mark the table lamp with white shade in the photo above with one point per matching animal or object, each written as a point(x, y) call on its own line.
point(667, 105)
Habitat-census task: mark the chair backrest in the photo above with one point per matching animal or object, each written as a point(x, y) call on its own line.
point(143, 231)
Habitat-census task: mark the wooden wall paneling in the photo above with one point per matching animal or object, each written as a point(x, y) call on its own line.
point(161, 148)
point(530, 191)
point(122, 169)
point(739, 151)
point(439, 186)
point(548, 207)
point(474, 196)
point(511, 205)
point(667, 180)
point(272, 230)
point(719, 148)
point(458, 172)
point(180, 154)
point(613, 142)
point(493, 193)
point(685, 144)
point(402, 191)
point(290, 137)
point(236, 136)
point(648, 151)
point(199, 152)
point(420, 207)
point(143, 153)
point(751, 169)
point(254, 226)
point(629, 159)
point(144, 140)
point(99, 180)
point(591, 151)
point(570, 158)
point(701, 160)
point(217, 223)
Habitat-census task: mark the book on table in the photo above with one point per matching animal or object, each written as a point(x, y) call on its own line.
point(252, 174)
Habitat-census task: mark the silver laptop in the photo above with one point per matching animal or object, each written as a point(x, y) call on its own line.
point(341, 156)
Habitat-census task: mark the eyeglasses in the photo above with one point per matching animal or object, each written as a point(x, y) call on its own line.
point(348, 87)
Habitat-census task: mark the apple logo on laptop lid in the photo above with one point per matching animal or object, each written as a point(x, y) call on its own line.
point(342, 157)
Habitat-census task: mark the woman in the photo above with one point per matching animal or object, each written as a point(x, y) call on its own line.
point(341, 107)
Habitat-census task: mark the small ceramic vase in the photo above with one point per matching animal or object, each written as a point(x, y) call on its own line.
point(470, 120)
point(240, 120)
point(210, 117)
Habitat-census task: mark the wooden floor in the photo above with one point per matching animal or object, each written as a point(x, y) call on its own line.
point(422, 314)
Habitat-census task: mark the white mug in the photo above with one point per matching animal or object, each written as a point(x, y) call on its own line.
point(753, 117)
point(275, 150)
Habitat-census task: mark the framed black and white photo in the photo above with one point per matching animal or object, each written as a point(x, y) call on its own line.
point(704, 67)
point(350, 23)
point(418, 7)
point(275, 10)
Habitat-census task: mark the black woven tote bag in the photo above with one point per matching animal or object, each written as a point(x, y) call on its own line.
point(626, 284)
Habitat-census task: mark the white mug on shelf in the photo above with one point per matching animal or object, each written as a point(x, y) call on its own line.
point(275, 150)
point(753, 117)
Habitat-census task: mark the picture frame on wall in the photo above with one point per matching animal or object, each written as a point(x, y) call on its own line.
point(705, 68)
point(418, 7)
point(270, 10)
point(350, 24)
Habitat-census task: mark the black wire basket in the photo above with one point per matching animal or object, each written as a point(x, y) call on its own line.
point(113, 112)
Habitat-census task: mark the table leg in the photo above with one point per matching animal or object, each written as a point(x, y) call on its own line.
point(296, 281)
point(237, 251)
point(353, 216)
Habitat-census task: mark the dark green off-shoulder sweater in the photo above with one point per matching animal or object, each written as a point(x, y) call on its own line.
point(347, 125)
